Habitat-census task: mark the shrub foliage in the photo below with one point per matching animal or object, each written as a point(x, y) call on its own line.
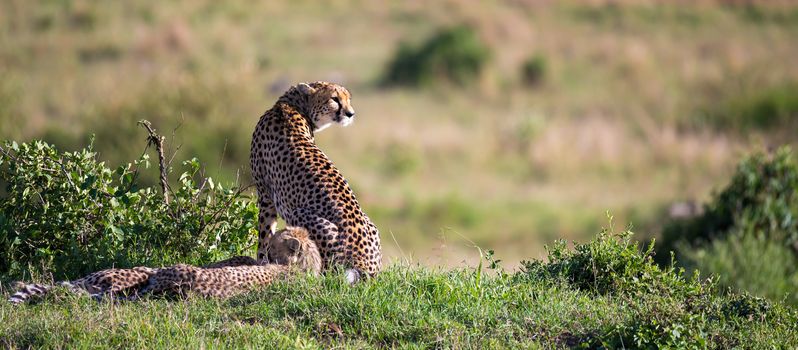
point(749, 263)
point(761, 199)
point(748, 234)
point(533, 71)
point(610, 264)
point(662, 308)
point(69, 214)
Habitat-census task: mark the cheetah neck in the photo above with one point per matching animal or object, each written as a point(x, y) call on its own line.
point(299, 101)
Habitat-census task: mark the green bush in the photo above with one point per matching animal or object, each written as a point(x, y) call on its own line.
point(761, 199)
point(748, 233)
point(749, 263)
point(663, 309)
point(533, 71)
point(610, 264)
point(454, 55)
point(69, 214)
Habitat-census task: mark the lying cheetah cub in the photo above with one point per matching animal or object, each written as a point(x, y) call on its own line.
point(128, 282)
point(289, 250)
point(97, 284)
point(114, 282)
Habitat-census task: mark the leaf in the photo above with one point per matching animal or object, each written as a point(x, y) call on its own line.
point(116, 232)
point(134, 226)
point(88, 182)
point(127, 179)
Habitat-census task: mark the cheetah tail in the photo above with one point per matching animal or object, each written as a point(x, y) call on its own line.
point(28, 291)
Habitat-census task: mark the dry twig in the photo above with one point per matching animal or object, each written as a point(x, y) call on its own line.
point(157, 141)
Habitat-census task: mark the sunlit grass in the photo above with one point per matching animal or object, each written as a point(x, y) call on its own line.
point(621, 300)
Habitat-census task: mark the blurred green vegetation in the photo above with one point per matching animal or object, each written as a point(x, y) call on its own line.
point(534, 70)
point(760, 199)
point(748, 233)
point(454, 55)
point(749, 263)
point(626, 117)
point(768, 108)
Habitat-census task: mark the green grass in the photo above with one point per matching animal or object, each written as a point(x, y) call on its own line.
point(403, 307)
point(629, 303)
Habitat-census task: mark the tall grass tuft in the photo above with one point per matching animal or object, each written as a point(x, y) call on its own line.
point(745, 262)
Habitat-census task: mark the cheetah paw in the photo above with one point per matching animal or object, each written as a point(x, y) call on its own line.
point(352, 276)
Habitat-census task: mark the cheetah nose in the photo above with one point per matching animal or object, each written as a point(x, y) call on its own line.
point(350, 114)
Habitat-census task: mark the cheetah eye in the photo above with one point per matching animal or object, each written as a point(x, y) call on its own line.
point(336, 100)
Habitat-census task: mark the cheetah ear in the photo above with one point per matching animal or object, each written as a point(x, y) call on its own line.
point(305, 89)
point(293, 245)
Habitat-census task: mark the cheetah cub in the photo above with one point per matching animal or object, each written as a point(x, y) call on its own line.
point(290, 250)
point(113, 282)
point(97, 284)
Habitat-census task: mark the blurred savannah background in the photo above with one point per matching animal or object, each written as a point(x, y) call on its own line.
point(505, 124)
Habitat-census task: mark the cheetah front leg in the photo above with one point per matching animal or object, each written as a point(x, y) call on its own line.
point(326, 236)
point(267, 222)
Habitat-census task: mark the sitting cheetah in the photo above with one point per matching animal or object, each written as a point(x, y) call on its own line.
point(296, 180)
point(289, 250)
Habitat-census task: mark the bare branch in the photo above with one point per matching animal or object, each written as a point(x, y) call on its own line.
point(157, 141)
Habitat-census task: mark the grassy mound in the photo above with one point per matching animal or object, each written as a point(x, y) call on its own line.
point(606, 293)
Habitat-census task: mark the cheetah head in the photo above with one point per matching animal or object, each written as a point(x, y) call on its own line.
point(327, 103)
point(292, 246)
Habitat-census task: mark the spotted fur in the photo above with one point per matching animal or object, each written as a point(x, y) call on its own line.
point(291, 250)
point(97, 284)
point(115, 282)
point(298, 182)
point(234, 261)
